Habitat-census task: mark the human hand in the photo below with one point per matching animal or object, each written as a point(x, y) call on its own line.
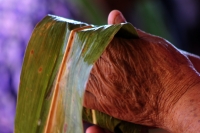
point(96, 129)
point(140, 80)
point(116, 17)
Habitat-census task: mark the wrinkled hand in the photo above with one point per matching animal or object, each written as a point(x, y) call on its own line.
point(140, 80)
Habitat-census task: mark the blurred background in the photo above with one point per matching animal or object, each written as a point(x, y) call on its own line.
point(176, 20)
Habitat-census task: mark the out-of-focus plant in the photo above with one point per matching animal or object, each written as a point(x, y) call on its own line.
point(91, 11)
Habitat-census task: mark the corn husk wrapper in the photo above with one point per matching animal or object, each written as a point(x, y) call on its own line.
point(56, 67)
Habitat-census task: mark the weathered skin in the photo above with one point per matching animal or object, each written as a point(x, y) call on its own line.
point(140, 80)
point(184, 117)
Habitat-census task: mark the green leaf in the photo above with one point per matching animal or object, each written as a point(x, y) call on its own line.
point(107, 122)
point(56, 67)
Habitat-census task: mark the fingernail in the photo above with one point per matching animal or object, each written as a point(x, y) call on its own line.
point(119, 19)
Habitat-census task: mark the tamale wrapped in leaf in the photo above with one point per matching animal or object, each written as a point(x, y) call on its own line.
point(56, 68)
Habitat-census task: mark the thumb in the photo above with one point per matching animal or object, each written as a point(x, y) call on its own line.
point(116, 17)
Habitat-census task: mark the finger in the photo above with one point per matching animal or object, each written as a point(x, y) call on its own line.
point(116, 17)
point(89, 100)
point(143, 33)
point(96, 129)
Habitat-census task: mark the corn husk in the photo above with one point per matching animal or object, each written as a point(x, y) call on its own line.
point(56, 67)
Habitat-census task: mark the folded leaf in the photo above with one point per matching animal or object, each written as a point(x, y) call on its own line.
point(56, 68)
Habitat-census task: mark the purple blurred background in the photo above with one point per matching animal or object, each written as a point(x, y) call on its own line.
point(17, 20)
point(176, 20)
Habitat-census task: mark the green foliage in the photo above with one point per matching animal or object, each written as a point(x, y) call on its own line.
point(54, 75)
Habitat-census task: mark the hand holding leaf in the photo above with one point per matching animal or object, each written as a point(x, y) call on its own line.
point(140, 80)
